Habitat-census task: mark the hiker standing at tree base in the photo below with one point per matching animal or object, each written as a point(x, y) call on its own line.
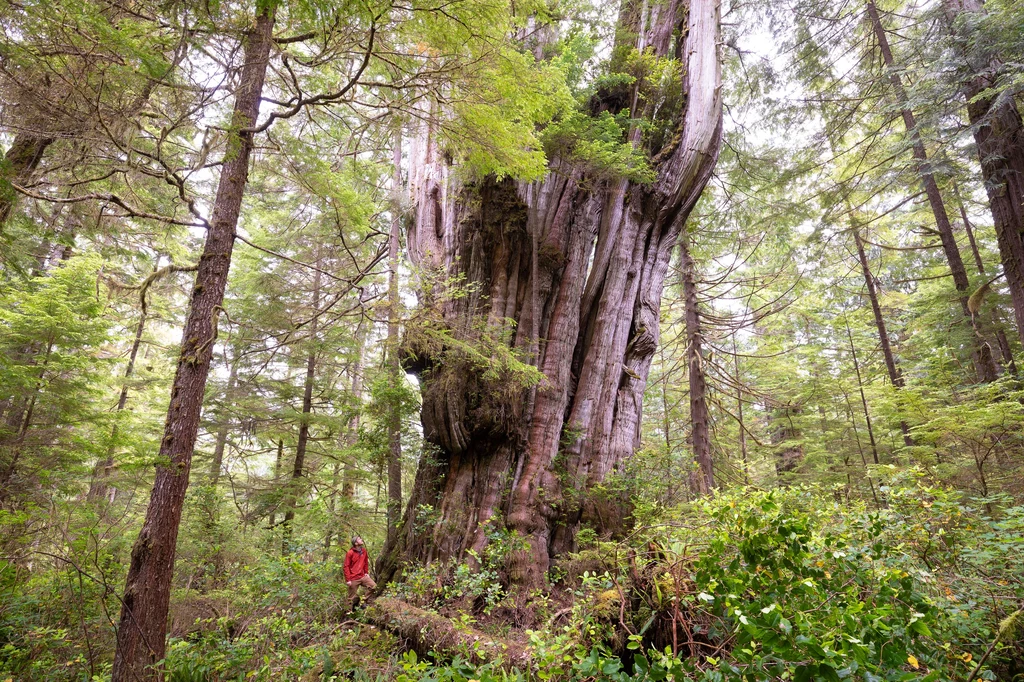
point(357, 571)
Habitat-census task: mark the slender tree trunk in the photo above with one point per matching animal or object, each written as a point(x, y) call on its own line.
point(98, 486)
point(969, 229)
point(348, 487)
point(20, 422)
point(997, 320)
point(278, 464)
point(666, 420)
point(788, 455)
point(295, 486)
point(394, 363)
point(341, 474)
point(702, 478)
point(860, 445)
point(999, 138)
point(895, 375)
point(586, 256)
point(142, 630)
point(863, 397)
point(225, 426)
point(983, 360)
point(739, 412)
point(346, 468)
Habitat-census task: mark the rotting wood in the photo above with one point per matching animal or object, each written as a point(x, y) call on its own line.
point(427, 632)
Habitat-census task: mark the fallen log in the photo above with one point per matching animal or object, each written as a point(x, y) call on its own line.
point(429, 632)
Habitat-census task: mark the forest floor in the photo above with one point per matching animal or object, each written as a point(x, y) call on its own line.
point(788, 585)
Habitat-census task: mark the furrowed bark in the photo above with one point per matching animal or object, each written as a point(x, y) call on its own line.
point(999, 138)
point(702, 478)
point(20, 163)
point(982, 356)
point(578, 263)
point(142, 630)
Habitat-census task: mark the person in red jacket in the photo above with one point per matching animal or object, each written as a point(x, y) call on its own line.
point(357, 570)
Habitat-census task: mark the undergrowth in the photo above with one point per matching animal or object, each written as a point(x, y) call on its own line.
point(789, 584)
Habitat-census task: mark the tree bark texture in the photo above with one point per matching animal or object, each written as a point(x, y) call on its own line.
point(702, 475)
point(20, 162)
point(999, 137)
point(982, 356)
point(578, 263)
point(142, 630)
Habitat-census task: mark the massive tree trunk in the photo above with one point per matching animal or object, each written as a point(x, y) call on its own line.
point(982, 356)
point(999, 136)
point(578, 262)
point(142, 630)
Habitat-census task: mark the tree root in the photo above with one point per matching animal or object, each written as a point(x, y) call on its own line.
point(428, 632)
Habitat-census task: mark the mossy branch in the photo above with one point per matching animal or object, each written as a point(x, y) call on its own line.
point(1006, 627)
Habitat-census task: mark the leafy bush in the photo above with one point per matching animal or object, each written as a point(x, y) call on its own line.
point(791, 585)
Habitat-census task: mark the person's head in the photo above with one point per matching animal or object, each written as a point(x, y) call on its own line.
point(357, 541)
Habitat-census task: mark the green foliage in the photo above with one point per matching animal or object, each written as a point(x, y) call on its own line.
point(599, 144)
point(836, 567)
point(822, 601)
point(53, 370)
point(480, 586)
point(790, 585)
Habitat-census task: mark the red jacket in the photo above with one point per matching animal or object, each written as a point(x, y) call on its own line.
point(357, 564)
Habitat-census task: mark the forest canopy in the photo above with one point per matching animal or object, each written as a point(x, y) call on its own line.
point(489, 341)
